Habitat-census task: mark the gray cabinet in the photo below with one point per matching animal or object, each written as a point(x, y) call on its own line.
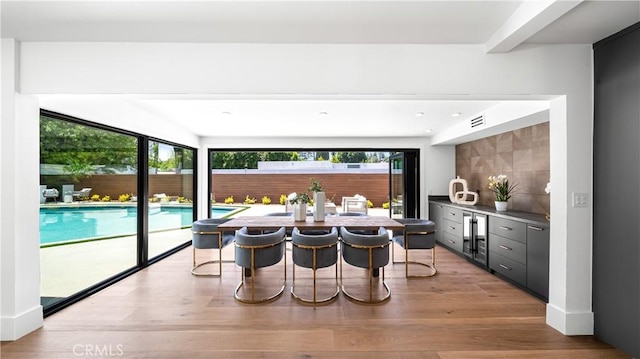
point(538, 259)
point(452, 228)
point(435, 215)
point(508, 249)
point(519, 251)
point(517, 243)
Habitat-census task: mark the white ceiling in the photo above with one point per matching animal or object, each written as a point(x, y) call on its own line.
point(375, 22)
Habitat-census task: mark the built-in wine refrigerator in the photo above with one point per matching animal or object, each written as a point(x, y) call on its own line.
point(474, 245)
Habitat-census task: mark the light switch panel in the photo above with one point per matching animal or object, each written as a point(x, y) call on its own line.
point(580, 199)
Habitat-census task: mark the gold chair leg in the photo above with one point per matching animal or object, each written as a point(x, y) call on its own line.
point(351, 297)
point(432, 266)
point(315, 299)
point(219, 261)
point(253, 300)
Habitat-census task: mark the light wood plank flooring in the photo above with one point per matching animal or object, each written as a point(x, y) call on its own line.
point(165, 312)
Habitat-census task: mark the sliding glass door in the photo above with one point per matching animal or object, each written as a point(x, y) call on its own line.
point(403, 185)
point(101, 217)
point(88, 218)
point(171, 195)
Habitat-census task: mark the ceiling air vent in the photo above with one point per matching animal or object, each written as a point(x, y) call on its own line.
point(477, 121)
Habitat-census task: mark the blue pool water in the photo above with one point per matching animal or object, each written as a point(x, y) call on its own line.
point(63, 224)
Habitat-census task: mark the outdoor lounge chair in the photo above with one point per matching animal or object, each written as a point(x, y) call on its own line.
point(50, 193)
point(356, 203)
point(85, 192)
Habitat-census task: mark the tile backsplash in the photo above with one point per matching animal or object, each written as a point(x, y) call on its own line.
point(522, 155)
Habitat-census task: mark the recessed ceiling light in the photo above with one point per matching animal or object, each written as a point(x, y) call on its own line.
point(226, 113)
point(456, 114)
point(322, 113)
point(419, 114)
point(428, 130)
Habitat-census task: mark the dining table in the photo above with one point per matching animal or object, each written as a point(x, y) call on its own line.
point(275, 222)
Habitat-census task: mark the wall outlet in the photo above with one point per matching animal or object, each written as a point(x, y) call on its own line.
point(580, 199)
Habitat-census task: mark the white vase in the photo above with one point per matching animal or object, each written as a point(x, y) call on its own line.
point(318, 206)
point(300, 212)
point(501, 206)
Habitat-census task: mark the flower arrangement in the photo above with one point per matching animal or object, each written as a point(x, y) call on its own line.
point(501, 187)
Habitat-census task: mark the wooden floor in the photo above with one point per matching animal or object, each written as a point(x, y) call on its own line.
point(165, 312)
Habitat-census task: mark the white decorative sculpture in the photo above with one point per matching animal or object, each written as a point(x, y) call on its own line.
point(460, 197)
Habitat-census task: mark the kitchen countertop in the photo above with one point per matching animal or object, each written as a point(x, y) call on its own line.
point(528, 217)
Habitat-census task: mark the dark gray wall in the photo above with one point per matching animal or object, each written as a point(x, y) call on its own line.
point(616, 232)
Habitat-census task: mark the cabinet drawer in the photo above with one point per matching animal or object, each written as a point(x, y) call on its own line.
point(453, 242)
point(452, 227)
point(508, 228)
point(509, 268)
point(452, 214)
point(509, 248)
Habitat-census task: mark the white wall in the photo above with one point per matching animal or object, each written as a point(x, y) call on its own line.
point(19, 236)
point(561, 72)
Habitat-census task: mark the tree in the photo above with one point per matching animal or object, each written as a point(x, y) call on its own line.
point(80, 147)
point(241, 160)
point(352, 157)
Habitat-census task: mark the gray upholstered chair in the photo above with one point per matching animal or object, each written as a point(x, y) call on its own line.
point(205, 235)
point(369, 251)
point(254, 251)
point(315, 251)
point(417, 234)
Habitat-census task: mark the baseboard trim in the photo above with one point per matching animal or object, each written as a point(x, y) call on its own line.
point(578, 323)
point(13, 328)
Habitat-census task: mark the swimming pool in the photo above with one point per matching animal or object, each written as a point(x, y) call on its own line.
point(81, 223)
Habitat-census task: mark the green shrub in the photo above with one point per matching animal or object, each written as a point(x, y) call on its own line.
point(385, 205)
point(369, 204)
point(228, 200)
point(266, 200)
point(248, 200)
point(283, 199)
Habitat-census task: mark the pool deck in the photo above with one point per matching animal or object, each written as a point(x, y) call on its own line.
point(68, 269)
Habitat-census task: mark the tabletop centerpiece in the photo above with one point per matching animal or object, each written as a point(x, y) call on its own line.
point(299, 203)
point(319, 198)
